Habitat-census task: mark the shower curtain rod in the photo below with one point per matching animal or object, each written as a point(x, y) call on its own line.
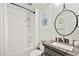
point(23, 7)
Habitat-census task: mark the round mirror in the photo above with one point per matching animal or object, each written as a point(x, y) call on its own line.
point(66, 22)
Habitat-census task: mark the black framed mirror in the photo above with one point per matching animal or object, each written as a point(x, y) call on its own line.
point(66, 22)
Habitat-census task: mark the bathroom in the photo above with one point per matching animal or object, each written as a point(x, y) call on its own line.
point(30, 29)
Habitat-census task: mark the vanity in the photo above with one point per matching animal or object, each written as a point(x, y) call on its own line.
point(53, 50)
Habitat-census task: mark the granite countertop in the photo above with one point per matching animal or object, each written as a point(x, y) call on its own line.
point(74, 53)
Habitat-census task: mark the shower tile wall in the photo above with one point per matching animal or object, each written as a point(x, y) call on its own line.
point(18, 43)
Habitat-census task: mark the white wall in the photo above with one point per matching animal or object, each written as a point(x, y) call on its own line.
point(45, 32)
point(49, 33)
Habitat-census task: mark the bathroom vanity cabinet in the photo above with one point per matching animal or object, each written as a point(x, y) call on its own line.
point(52, 51)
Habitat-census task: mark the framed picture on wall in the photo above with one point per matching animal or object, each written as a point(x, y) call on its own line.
point(44, 21)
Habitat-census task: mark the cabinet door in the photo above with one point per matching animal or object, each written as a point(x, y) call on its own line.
point(51, 52)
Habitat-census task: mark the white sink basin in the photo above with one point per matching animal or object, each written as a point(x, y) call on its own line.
point(63, 46)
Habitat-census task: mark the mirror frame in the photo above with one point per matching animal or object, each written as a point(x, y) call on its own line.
point(74, 27)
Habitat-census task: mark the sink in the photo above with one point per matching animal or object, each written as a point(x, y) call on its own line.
point(63, 46)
